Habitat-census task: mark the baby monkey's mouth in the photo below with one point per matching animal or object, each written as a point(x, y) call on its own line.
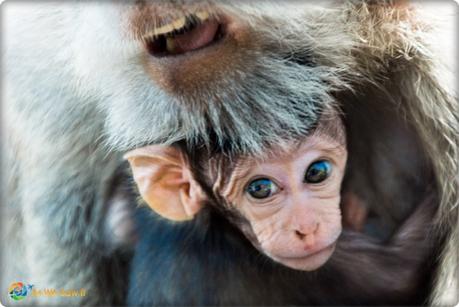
point(183, 35)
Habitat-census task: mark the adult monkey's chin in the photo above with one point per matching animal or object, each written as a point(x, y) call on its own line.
point(309, 262)
point(215, 76)
point(204, 44)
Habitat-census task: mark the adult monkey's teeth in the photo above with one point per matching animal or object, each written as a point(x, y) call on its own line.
point(170, 44)
point(184, 34)
point(177, 24)
point(202, 15)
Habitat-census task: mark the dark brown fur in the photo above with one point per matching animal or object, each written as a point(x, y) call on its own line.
point(212, 262)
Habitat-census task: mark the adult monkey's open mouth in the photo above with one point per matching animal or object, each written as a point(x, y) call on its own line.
point(187, 33)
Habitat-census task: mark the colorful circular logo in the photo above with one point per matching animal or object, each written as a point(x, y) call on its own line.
point(18, 290)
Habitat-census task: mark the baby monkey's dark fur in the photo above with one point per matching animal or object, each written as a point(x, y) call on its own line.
point(209, 261)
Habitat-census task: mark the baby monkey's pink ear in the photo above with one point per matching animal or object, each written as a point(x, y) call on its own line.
point(165, 181)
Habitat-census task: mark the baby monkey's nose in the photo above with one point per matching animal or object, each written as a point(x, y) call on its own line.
point(307, 234)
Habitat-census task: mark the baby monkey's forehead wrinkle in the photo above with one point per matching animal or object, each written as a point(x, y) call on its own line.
point(236, 179)
point(330, 127)
point(232, 172)
point(223, 172)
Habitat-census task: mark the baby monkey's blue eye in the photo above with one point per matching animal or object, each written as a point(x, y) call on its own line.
point(318, 172)
point(261, 188)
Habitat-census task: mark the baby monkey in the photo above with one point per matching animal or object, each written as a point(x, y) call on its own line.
point(286, 202)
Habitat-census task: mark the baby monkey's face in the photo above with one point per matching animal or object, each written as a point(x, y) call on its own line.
point(292, 201)
point(287, 202)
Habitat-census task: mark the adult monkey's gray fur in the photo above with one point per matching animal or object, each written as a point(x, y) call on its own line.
point(79, 89)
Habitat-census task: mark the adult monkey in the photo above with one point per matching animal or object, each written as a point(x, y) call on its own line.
point(82, 76)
